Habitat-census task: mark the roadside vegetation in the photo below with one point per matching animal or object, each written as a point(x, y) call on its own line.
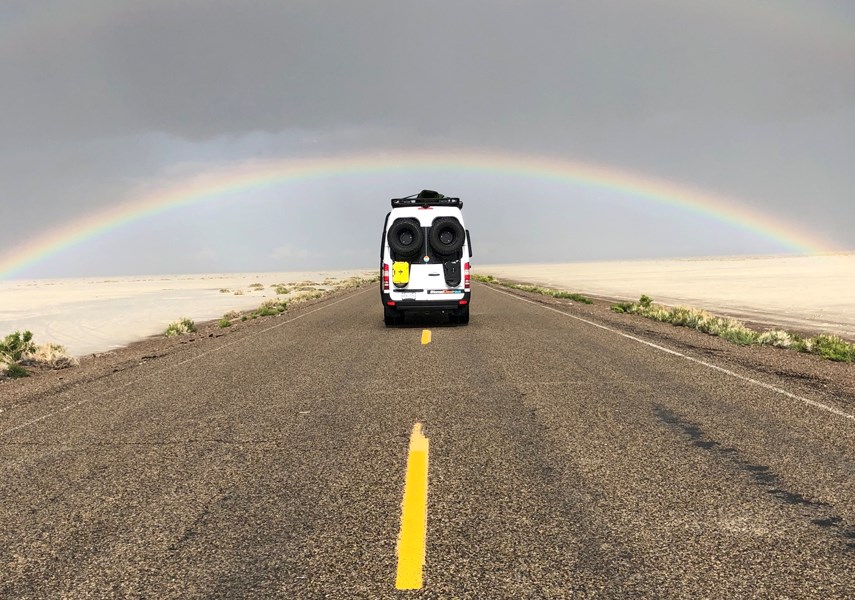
point(535, 289)
point(307, 295)
point(182, 326)
point(270, 308)
point(18, 351)
point(353, 282)
point(303, 291)
point(830, 347)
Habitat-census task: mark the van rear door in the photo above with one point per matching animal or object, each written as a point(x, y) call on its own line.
point(427, 277)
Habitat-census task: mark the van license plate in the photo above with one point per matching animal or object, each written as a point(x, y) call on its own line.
point(408, 295)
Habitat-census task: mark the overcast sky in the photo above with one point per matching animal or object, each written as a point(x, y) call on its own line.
point(750, 99)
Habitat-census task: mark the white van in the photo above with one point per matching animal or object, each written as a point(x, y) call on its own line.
point(425, 256)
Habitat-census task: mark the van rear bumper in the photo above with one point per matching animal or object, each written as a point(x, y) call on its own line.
point(427, 306)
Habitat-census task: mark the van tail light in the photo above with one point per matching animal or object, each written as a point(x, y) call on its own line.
point(466, 280)
point(385, 277)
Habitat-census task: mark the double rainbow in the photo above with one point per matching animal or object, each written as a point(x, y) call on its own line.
point(251, 178)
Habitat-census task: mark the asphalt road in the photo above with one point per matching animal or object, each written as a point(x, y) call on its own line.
point(566, 460)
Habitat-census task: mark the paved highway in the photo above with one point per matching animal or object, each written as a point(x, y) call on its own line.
point(565, 460)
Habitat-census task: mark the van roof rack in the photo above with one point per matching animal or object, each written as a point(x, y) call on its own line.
point(415, 200)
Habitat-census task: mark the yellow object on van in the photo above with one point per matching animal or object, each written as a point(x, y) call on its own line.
point(400, 273)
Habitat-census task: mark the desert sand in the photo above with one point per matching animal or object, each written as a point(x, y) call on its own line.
point(98, 314)
point(813, 293)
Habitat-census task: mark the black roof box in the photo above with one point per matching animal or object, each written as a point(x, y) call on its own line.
point(427, 198)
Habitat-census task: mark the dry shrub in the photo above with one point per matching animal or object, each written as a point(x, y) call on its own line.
point(181, 327)
point(53, 356)
point(776, 337)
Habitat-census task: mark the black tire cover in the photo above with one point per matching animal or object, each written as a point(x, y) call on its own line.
point(446, 236)
point(406, 237)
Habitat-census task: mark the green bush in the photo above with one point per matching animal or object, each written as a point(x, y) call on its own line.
point(281, 289)
point(224, 322)
point(833, 347)
point(663, 315)
point(777, 338)
point(15, 345)
point(622, 307)
point(16, 371)
point(485, 278)
point(740, 335)
point(180, 327)
point(270, 308)
point(570, 296)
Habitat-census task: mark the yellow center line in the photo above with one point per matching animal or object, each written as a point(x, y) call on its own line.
point(411, 542)
point(425, 336)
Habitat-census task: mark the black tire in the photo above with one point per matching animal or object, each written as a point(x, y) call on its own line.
point(446, 236)
point(391, 317)
point(461, 316)
point(406, 238)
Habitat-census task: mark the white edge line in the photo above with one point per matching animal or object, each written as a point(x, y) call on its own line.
point(170, 367)
point(762, 384)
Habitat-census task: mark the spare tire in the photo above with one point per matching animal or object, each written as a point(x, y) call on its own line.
point(446, 236)
point(406, 238)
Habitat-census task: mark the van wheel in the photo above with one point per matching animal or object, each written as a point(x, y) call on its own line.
point(391, 317)
point(461, 317)
point(406, 238)
point(446, 236)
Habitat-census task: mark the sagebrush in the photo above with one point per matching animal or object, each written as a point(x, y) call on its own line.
point(18, 351)
point(830, 347)
point(181, 327)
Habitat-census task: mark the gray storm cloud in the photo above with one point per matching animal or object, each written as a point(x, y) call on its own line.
point(755, 99)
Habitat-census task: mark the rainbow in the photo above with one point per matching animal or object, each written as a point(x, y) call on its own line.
point(255, 177)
